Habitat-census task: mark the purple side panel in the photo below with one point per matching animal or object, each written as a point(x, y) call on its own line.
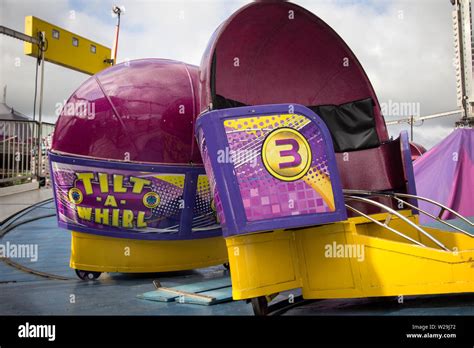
point(105, 209)
point(248, 198)
point(264, 196)
point(217, 203)
point(408, 168)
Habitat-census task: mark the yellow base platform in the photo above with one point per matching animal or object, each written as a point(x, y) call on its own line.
point(350, 259)
point(105, 254)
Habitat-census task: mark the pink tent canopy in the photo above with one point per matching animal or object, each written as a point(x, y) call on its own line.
point(446, 175)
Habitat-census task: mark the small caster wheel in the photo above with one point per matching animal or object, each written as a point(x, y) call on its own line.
point(260, 306)
point(226, 266)
point(87, 275)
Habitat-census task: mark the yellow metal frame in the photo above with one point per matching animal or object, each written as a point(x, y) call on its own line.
point(105, 254)
point(267, 263)
point(61, 50)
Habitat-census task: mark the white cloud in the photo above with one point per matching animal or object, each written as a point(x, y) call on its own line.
point(405, 46)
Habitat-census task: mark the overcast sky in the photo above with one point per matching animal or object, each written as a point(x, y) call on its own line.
point(406, 47)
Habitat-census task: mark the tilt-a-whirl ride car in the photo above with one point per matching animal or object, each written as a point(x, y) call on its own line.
point(316, 195)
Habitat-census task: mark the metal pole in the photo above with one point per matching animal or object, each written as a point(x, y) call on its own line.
point(463, 8)
point(4, 149)
point(117, 10)
point(411, 128)
point(461, 58)
point(18, 35)
point(40, 109)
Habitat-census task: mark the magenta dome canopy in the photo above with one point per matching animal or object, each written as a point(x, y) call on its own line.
point(140, 111)
point(271, 52)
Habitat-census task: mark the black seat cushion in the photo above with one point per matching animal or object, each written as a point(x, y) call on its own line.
point(220, 102)
point(352, 125)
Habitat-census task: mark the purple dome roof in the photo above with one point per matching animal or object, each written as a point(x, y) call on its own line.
point(141, 111)
point(273, 52)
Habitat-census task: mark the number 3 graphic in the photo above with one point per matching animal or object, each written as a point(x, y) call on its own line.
point(295, 147)
point(286, 154)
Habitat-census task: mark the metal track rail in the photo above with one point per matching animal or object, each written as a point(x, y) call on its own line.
point(397, 196)
point(385, 225)
point(10, 223)
point(432, 216)
point(406, 195)
point(32, 271)
point(443, 207)
point(394, 212)
point(24, 211)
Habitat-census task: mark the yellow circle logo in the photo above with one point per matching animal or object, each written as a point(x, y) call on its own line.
point(75, 196)
point(151, 200)
point(286, 154)
point(213, 205)
point(214, 210)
